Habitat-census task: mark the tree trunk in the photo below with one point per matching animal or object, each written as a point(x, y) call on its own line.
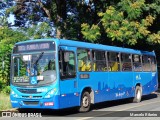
point(58, 35)
point(45, 9)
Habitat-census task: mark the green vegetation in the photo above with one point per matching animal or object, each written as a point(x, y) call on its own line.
point(128, 21)
point(4, 102)
point(8, 38)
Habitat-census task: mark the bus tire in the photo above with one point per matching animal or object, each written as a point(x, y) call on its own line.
point(85, 102)
point(138, 95)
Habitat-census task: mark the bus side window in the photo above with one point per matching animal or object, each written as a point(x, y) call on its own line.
point(153, 64)
point(137, 66)
point(84, 60)
point(67, 65)
point(126, 62)
point(99, 61)
point(113, 61)
point(146, 63)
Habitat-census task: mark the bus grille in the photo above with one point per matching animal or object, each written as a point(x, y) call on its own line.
point(28, 91)
point(30, 102)
point(34, 97)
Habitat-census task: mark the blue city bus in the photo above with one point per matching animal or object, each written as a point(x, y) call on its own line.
point(57, 74)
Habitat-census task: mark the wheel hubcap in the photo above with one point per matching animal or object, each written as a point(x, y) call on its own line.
point(85, 101)
point(138, 94)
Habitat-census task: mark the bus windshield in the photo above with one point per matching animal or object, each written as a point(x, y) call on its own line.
point(33, 69)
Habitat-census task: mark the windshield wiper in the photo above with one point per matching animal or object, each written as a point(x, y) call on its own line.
point(39, 57)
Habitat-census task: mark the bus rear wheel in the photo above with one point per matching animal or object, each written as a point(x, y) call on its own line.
point(138, 95)
point(85, 102)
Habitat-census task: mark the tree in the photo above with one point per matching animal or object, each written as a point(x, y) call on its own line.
point(34, 12)
point(7, 39)
point(127, 21)
point(63, 16)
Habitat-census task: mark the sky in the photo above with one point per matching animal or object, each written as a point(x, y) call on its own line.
point(11, 19)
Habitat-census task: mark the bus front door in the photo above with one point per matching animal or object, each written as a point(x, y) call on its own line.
point(68, 78)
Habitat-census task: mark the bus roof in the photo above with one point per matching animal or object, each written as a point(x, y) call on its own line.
point(91, 46)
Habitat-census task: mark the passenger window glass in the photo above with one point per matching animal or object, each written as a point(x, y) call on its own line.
point(67, 64)
point(84, 60)
point(113, 61)
point(99, 61)
point(137, 66)
point(146, 63)
point(153, 64)
point(126, 62)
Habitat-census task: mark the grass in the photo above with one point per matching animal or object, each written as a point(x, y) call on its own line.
point(4, 102)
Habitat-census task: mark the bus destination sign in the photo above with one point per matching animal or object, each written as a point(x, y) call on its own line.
point(38, 46)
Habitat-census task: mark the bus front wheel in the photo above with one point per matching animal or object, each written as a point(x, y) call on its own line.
point(138, 95)
point(85, 102)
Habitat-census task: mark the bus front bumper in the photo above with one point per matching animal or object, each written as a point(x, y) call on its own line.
point(49, 103)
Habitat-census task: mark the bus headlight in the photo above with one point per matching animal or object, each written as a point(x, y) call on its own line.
point(14, 94)
point(50, 93)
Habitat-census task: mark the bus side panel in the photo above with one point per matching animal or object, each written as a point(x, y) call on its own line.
point(109, 85)
point(101, 86)
point(154, 82)
point(144, 79)
point(97, 81)
point(120, 85)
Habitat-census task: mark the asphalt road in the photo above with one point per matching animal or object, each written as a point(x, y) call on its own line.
point(148, 108)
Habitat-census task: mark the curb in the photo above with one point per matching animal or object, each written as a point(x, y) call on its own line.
point(10, 110)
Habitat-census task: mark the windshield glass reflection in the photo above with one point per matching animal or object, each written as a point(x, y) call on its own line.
point(34, 69)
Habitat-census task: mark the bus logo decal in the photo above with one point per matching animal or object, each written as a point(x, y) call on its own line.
point(138, 77)
point(120, 94)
